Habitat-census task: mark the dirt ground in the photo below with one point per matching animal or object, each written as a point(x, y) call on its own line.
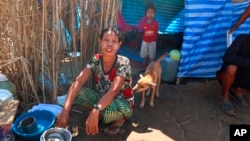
point(185, 112)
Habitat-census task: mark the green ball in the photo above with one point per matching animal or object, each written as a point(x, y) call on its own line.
point(175, 55)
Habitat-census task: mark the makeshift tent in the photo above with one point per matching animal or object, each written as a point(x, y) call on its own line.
point(204, 43)
point(204, 24)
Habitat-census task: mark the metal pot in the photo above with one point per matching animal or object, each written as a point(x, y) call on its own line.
point(56, 134)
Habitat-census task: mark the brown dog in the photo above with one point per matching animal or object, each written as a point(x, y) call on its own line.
point(151, 79)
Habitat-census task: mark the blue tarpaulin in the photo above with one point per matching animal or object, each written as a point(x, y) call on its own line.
point(204, 42)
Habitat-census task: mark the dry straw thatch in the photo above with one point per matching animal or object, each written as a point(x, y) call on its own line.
point(33, 41)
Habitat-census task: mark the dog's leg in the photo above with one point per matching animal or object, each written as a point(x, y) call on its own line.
point(158, 86)
point(142, 99)
point(151, 101)
point(148, 92)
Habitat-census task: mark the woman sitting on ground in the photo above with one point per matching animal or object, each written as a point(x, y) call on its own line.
point(112, 100)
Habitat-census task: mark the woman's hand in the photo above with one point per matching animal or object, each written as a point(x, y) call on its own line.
point(62, 119)
point(92, 122)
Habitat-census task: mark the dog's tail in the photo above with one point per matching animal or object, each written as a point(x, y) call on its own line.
point(161, 57)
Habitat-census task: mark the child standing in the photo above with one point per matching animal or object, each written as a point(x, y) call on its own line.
point(150, 33)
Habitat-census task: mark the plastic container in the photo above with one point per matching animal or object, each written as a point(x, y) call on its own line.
point(7, 85)
point(45, 81)
point(55, 109)
point(169, 69)
point(61, 100)
point(44, 120)
point(63, 79)
point(5, 96)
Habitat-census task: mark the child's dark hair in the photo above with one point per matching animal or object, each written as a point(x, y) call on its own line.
point(113, 30)
point(150, 5)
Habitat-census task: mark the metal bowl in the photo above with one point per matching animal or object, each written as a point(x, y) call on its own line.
point(56, 134)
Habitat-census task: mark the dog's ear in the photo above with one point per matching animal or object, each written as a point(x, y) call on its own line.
point(141, 75)
point(151, 83)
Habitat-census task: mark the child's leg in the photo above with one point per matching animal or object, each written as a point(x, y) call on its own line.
point(152, 51)
point(145, 63)
point(144, 53)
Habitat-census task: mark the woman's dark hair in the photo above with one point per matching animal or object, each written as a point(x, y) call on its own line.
point(113, 30)
point(150, 5)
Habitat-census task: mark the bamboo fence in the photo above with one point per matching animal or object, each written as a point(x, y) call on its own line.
point(34, 44)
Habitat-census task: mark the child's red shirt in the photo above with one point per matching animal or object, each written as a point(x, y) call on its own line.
point(150, 30)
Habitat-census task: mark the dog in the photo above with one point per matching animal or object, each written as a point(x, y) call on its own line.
point(150, 81)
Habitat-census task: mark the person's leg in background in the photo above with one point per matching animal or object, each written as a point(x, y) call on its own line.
point(144, 53)
point(152, 51)
point(227, 80)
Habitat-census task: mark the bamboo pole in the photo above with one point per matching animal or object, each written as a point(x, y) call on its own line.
point(42, 60)
point(33, 45)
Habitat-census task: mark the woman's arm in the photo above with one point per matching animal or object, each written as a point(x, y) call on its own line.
point(74, 89)
point(242, 18)
point(108, 97)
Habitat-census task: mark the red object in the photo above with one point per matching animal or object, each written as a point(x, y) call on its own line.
point(112, 74)
point(122, 25)
point(150, 30)
point(128, 93)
